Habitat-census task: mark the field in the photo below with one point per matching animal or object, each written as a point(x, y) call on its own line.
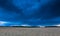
point(16, 31)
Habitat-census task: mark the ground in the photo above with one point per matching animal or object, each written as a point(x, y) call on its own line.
point(14, 31)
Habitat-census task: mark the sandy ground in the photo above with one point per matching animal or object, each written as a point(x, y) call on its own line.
point(14, 31)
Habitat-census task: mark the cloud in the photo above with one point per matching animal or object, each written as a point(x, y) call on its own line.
point(57, 25)
point(3, 23)
point(25, 25)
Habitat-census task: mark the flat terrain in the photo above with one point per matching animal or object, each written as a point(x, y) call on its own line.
point(16, 31)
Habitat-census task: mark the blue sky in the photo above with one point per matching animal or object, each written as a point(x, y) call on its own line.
point(29, 8)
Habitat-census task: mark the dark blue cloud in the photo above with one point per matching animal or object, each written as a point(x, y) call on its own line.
point(31, 12)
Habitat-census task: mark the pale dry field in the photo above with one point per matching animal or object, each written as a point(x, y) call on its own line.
point(16, 31)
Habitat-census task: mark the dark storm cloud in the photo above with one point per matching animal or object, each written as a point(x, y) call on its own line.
point(31, 9)
point(49, 10)
point(7, 5)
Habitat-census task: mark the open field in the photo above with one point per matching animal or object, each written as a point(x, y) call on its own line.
point(16, 31)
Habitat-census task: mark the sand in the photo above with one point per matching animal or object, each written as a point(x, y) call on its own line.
point(16, 31)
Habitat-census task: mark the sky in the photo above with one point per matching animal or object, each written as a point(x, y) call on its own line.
point(29, 12)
